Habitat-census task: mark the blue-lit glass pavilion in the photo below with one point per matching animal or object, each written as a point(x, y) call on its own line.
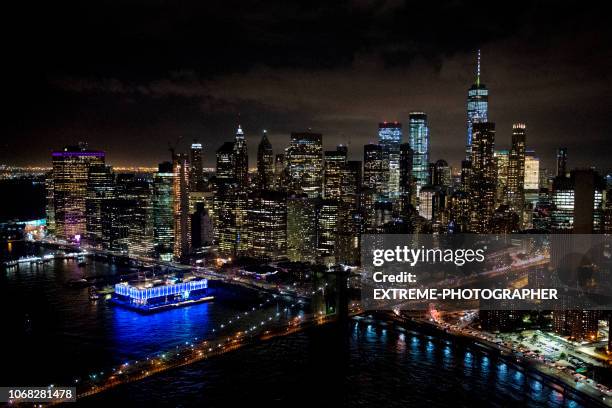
point(155, 297)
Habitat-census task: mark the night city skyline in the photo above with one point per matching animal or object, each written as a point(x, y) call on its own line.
point(345, 203)
point(146, 85)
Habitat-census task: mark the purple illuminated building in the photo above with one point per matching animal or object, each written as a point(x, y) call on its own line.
point(70, 174)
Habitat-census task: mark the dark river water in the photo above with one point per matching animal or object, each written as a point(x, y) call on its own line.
point(53, 333)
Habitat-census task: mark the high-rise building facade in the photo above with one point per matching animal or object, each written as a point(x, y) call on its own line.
point(49, 204)
point(375, 168)
point(501, 164)
point(483, 178)
point(182, 225)
point(100, 187)
point(577, 203)
point(349, 224)
point(406, 180)
point(241, 158)
point(139, 189)
point(562, 197)
point(532, 172)
point(460, 216)
point(163, 213)
point(327, 224)
point(301, 229)
point(418, 132)
point(442, 174)
point(70, 174)
point(577, 208)
point(304, 161)
point(477, 108)
point(390, 139)
point(516, 170)
point(116, 217)
point(351, 182)
point(267, 223)
point(334, 174)
point(226, 168)
point(196, 178)
point(231, 226)
point(265, 163)
point(428, 197)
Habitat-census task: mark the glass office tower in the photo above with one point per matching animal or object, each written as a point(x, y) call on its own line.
point(477, 107)
point(418, 132)
point(390, 139)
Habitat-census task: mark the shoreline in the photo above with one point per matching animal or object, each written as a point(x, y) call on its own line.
point(527, 367)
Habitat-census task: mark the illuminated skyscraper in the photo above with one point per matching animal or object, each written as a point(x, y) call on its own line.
point(350, 218)
point(267, 223)
point(163, 215)
point(428, 197)
point(351, 183)
point(304, 160)
point(116, 216)
point(483, 180)
point(460, 212)
point(196, 178)
point(562, 215)
point(49, 207)
point(406, 184)
point(532, 172)
point(477, 107)
point(226, 169)
point(390, 139)
point(466, 174)
point(349, 224)
point(265, 163)
point(335, 166)
point(501, 164)
point(442, 174)
point(327, 224)
point(578, 203)
point(231, 226)
point(516, 170)
point(182, 225)
point(577, 208)
point(418, 132)
point(70, 174)
point(100, 186)
point(375, 168)
point(241, 159)
point(139, 190)
point(301, 229)
point(532, 187)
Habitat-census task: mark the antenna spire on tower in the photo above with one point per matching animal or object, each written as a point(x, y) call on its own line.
point(478, 69)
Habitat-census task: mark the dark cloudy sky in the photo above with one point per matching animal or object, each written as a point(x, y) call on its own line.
point(128, 76)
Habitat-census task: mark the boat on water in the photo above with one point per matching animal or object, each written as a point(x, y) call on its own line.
point(78, 283)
